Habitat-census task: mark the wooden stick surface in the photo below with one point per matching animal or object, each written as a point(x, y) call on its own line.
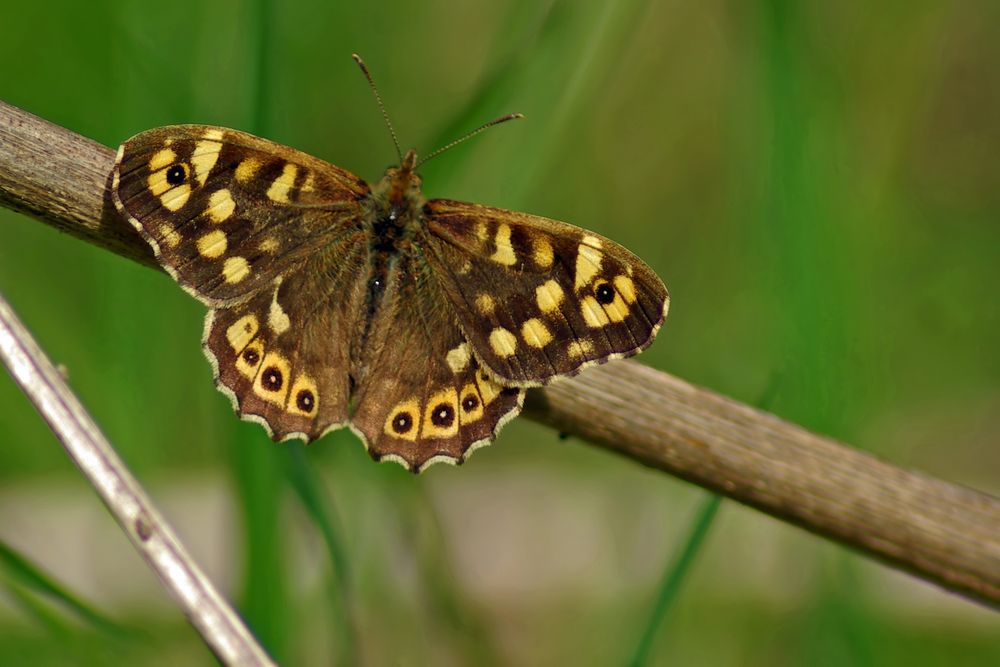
point(941, 532)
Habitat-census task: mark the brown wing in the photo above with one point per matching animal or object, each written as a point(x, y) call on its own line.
point(283, 356)
point(422, 397)
point(226, 212)
point(539, 298)
point(270, 237)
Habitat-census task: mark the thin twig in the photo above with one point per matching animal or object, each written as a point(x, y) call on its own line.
point(217, 622)
point(941, 532)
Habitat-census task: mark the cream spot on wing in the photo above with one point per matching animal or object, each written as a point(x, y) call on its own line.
point(503, 342)
point(617, 310)
point(270, 244)
point(625, 287)
point(464, 268)
point(204, 157)
point(235, 269)
point(157, 182)
point(593, 313)
point(213, 244)
point(504, 253)
point(535, 333)
point(549, 296)
point(482, 230)
point(249, 359)
point(488, 389)
point(542, 252)
point(271, 383)
point(220, 205)
point(485, 304)
point(441, 415)
point(579, 349)
point(588, 262)
point(161, 159)
point(277, 318)
point(169, 235)
point(175, 199)
point(242, 331)
point(164, 189)
point(403, 420)
point(246, 169)
point(310, 183)
point(458, 358)
point(214, 134)
point(303, 399)
point(470, 405)
point(282, 185)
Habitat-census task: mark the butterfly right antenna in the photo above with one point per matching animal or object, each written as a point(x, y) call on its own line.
point(484, 126)
point(378, 98)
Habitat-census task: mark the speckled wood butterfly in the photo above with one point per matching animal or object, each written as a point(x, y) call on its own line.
point(418, 323)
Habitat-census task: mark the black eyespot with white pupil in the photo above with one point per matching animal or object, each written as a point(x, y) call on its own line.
point(176, 174)
point(402, 423)
point(443, 415)
point(305, 400)
point(470, 403)
point(251, 357)
point(605, 293)
point(271, 379)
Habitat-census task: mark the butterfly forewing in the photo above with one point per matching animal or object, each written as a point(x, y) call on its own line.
point(227, 212)
point(539, 298)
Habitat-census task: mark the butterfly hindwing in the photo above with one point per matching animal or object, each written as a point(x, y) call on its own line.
point(539, 298)
point(422, 396)
point(227, 212)
point(283, 356)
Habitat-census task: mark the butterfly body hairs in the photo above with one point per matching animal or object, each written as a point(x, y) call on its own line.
point(418, 323)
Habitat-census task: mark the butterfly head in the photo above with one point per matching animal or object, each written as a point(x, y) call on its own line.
point(401, 185)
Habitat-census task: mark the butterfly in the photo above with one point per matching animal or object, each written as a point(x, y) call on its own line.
point(418, 323)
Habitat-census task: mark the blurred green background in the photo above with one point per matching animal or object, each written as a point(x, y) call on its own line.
point(817, 183)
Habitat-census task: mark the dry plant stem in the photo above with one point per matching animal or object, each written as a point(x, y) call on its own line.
point(61, 178)
point(941, 532)
point(218, 624)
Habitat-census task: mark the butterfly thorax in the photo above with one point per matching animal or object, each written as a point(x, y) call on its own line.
point(395, 214)
point(396, 205)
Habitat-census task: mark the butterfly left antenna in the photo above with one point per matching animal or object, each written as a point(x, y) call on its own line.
point(378, 98)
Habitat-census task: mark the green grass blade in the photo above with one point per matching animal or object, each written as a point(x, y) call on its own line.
point(446, 603)
point(670, 589)
point(31, 605)
point(258, 466)
point(593, 61)
point(263, 11)
point(319, 506)
point(526, 24)
point(23, 576)
point(676, 575)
